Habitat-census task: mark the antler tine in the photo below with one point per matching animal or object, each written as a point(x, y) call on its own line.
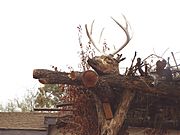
point(125, 29)
point(101, 34)
point(92, 27)
point(127, 24)
point(89, 36)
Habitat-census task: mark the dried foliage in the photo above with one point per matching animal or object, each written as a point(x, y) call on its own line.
point(85, 51)
point(84, 116)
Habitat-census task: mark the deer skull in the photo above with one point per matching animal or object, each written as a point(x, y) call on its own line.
point(107, 64)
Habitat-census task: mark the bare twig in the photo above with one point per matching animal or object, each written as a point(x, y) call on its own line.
point(175, 60)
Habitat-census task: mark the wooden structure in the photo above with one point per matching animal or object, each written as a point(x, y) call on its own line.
point(136, 101)
point(27, 123)
point(123, 99)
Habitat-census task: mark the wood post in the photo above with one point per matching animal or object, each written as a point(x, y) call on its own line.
point(107, 110)
point(111, 127)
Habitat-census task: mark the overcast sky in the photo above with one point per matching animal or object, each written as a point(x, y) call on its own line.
point(39, 33)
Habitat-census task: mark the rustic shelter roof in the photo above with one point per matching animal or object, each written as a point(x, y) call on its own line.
point(24, 120)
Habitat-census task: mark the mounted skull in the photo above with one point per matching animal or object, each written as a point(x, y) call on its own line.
point(107, 64)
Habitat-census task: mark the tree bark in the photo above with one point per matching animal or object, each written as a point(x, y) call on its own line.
point(128, 85)
point(118, 81)
point(53, 77)
point(112, 127)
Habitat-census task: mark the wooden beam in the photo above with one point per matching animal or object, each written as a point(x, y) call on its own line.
point(64, 104)
point(53, 77)
point(51, 109)
point(115, 81)
point(107, 110)
point(112, 126)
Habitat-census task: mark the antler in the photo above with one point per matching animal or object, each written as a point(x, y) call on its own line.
point(125, 29)
point(90, 38)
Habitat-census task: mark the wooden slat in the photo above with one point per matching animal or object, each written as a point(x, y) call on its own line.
point(107, 110)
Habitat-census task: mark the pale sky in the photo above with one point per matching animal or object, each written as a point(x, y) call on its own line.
point(39, 33)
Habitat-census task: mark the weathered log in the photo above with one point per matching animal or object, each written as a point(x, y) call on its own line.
point(88, 78)
point(126, 85)
point(53, 77)
point(136, 83)
point(111, 127)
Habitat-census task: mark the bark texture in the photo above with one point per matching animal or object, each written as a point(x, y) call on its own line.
point(112, 127)
point(131, 94)
point(138, 84)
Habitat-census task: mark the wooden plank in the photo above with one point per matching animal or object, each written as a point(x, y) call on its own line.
point(64, 104)
point(52, 109)
point(107, 110)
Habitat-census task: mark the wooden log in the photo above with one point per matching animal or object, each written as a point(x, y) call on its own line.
point(112, 127)
point(115, 81)
point(89, 78)
point(53, 77)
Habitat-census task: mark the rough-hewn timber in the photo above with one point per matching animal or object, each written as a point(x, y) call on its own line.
point(138, 84)
point(151, 106)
